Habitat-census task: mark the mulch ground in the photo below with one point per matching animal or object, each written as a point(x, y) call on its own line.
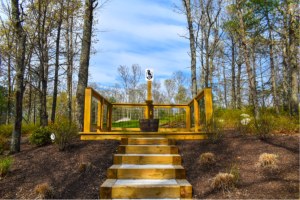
point(63, 170)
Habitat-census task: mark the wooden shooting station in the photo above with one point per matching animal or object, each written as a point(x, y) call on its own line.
point(147, 165)
point(101, 126)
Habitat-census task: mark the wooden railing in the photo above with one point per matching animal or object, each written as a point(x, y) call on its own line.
point(99, 112)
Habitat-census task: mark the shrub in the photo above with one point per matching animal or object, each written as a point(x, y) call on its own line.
point(226, 181)
point(40, 137)
point(5, 164)
point(268, 162)
point(207, 159)
point(6, 130)
point(28, 129)
point(64, 131)
point(223, 181)
point(44, 191)
point(4, 144)
point(264, 126)
point(214, 130)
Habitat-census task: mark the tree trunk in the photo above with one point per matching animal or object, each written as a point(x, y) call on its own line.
point(57, 52)
point(238, 84)
point(20, 69)
point(8, 112)
point(44, 59)
point(272, 66)
point(233, 93)
point(187, 6)
point(70, 55)
point(293, 40)
point(84, 59)
point(251, 76)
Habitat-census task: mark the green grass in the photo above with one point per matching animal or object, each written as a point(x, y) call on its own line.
point(127, 124)
point(5, 164)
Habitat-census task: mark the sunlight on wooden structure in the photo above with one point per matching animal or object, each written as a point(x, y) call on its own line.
point(102, 116)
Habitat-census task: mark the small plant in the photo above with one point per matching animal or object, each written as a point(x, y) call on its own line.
point(245, 124)
point(214, 130)
point(264, 126)
point(234, 170)
point(4, 145)
point(223, 181)
point(65, 131)
point(226, 181)
point(40, 137)
point(44, 191)
point(5, 164)
point(83, 167)
point(268, 162)
point(28, 129)
point(6, 130)
point(207, 159)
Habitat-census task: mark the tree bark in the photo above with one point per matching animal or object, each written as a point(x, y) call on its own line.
point(251, 76)
point(20, 69)
point(233, 93)
point(84, 59)
point(57, 52)
point(272, 66)
point(187, 6)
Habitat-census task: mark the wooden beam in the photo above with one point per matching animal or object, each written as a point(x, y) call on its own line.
point(188, 117)
point(208, 105)
point(99, 116)
point(87, 110)
point(196, 115)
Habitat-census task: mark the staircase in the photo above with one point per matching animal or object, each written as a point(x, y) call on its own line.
point(146, 168)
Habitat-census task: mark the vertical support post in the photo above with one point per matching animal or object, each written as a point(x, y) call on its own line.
point(87, 110)
point(208, 105)
point(196, 115)
point(149, 90)
point(188, 117)
point(102, 114)
point(109, 117)
point(149, 101)
point(99, 116)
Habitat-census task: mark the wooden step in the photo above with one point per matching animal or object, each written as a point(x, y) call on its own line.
point(147, 149)
point(143, 159)
point(141, 189)
point(146, 172)
point(147, 141)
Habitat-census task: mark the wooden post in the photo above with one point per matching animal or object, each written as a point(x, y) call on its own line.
point(188, 117)
point(196, 115)
point(208, 105)
point(149, 90)
point(87, 110)
point(109, 117)
point(149, 101)
point(102, 114)
point(99, 116)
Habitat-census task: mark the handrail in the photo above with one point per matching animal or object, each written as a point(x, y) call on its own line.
point(205, 94)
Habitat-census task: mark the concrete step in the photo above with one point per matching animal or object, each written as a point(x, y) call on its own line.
point(147, 149)
point(149, 189)
point(143, 159)
point(147, 141)
point(146, 172)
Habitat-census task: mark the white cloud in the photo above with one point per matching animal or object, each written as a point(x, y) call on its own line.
point(139, 32)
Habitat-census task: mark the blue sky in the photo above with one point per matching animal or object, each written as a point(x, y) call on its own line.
point(144, 32)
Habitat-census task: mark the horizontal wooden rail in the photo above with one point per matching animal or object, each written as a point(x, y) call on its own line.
point(104, 105)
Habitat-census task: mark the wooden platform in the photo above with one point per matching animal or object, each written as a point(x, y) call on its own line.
point(118, 135)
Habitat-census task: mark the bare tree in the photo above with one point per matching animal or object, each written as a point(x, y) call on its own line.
point(20, 69)
point(90, 6)
point(188, 12)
